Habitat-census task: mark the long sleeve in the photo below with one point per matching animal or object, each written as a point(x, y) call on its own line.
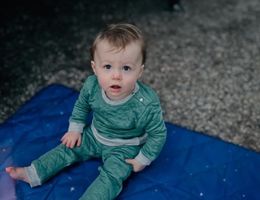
point(156, 131)
point(81, 109)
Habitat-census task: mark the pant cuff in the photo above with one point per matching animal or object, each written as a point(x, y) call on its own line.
point(32, 175)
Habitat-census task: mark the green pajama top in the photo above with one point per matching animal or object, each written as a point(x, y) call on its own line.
point(137, 116)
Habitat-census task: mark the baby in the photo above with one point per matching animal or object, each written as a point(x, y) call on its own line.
point(127, 130)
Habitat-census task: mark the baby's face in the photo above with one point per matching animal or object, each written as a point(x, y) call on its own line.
point(117, 70)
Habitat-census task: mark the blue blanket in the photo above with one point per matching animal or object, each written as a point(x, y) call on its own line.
point(191, 166)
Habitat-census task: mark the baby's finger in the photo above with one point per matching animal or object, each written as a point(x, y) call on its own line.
point(130, 161)
point(63, 141)
point(79, 142)
point(71, 144)
point(64, 137)
point(66, 142)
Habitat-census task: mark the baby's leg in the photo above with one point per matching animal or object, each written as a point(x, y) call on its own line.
point(114, 171)
point(45, 166)
point(17, 173)
point(58, 158)
point(52, 162)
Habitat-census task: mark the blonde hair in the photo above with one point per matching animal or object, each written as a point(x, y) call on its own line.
point(120, 35)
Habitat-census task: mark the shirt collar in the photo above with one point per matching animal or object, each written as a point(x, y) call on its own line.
point(121, 101)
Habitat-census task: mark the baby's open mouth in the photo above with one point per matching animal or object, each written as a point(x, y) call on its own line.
point(115, 87)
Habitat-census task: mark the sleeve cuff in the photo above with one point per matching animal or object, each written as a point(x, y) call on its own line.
point(142, 159)
point(76, 127)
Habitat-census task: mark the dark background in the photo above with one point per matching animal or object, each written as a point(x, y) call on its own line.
point(32, 31)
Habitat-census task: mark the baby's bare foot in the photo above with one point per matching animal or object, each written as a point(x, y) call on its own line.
point(17, 173)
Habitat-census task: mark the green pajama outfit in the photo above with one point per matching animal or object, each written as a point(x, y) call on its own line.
point(130, 128)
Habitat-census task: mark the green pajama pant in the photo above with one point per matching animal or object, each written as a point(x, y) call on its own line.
point(112, 174)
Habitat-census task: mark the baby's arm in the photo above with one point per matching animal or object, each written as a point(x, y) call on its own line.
point(78, 117)
point(156, 131)
point(71, 138)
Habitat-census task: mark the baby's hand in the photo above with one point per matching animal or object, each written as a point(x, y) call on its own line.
point(70, 139)
point(137, 167)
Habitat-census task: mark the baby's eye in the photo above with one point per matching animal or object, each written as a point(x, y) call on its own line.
point(107, 66)
point(126, 68)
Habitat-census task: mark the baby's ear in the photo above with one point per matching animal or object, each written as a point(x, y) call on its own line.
point(93, 66)
point(141, 71)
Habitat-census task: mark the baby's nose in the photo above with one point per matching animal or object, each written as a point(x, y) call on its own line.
point(117, 74)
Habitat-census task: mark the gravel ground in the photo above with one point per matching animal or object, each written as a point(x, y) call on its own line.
point(204, 62)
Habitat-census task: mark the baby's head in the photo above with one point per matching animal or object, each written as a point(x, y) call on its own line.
point(117, 58)
point(119, 36)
